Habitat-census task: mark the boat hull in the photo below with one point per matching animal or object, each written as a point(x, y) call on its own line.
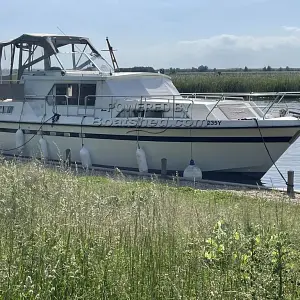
point(237, 154)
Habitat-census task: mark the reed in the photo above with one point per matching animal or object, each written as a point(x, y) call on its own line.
point(237, 82)
point(73, 237)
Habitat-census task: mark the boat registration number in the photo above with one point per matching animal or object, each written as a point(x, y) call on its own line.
point(212, 122)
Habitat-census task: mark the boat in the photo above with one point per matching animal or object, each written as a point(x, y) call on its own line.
point(62, 100)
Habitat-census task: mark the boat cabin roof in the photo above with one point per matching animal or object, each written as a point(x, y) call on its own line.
point(51, 42)
point(50, 52)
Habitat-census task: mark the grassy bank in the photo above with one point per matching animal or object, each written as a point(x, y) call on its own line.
point(237, 82)
point(67, 237)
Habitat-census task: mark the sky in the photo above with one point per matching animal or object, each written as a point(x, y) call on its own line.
point(169, 33)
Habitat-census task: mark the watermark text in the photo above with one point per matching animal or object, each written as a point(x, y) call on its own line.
point(158, 123)
point(166, 107)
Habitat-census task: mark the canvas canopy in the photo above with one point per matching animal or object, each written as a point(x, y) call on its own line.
point(147, 85)
point(49, 42)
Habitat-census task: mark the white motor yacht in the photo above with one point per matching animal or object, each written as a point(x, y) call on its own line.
point(61, 99)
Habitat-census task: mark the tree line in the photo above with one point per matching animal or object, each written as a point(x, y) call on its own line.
point(204, 68)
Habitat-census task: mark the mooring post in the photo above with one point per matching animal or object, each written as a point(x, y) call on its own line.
point(68, 157)
point(163, 167)
point(290, 184)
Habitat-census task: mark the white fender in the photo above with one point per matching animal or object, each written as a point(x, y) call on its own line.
point(85, 157)
point(192, 171)
point(141, 160)
point(44, 147)
point(20, 140)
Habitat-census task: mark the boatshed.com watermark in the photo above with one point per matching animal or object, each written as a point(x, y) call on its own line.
point(155, 123)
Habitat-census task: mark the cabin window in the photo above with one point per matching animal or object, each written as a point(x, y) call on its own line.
point(75, 94)
point(141, 114)
point(126, 114)
point(87, 92)
point(67, 94)
point(154, 114)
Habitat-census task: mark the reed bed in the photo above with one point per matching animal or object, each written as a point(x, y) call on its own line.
point(237, 82)
point(64, 236)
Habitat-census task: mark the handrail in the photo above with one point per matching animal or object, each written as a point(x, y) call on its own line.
point(141, 99)
point(273, 104)
point(187, 94)
point(255, 94)
point(170, 99)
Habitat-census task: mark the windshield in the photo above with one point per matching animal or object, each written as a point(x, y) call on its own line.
point(79, 61)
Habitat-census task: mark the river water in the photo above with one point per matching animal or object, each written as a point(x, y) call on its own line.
point(290, 160)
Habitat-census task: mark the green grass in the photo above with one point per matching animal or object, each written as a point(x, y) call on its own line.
point(237, 82)
point(71, 237)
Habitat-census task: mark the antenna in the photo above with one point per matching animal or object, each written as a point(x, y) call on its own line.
point(79, 49)
point(60, 30)
point(112, 55)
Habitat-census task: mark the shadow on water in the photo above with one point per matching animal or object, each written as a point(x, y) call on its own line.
point(290, 160)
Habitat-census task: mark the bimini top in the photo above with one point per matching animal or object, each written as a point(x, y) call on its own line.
point(50, 42)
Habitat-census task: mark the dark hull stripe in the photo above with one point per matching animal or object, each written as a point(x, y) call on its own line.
point(157, 138)
point(153, 128)
point(185, 139)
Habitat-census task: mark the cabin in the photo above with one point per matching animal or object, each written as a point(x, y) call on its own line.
point(66, 74)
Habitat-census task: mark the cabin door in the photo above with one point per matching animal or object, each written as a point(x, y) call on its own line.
point(87, 98)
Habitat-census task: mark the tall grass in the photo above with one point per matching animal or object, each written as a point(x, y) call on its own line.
point(68, 237)
point(240, 82)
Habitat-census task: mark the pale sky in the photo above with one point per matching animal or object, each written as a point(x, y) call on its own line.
point(169, 33)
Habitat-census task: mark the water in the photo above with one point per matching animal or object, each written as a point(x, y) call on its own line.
point(290, 160)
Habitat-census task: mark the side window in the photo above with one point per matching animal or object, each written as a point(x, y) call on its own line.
point(67, 90)
point(87, 91)
point(126, 114)
point(61, 92)
point(154, 114)
point(141, 114)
